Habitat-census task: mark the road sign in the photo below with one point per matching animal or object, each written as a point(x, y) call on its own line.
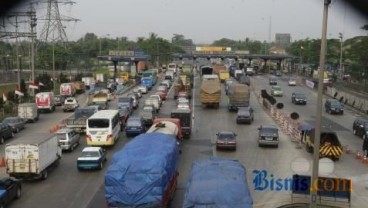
point(122, 53)
point(213, 48)
point(241, 52)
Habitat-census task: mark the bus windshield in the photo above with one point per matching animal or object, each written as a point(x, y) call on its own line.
point(98, 123)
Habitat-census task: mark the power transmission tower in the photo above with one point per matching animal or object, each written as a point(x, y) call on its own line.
point(53, 30)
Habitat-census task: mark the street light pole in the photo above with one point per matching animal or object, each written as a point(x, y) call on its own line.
point(301, 61)
point(53, 66)
point(341, 41)
point(315, 167)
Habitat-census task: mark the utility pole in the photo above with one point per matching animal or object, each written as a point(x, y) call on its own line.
point(315, 167)
point(32, 24)
point(17, 50)
point(53, 67)
point(341, 42)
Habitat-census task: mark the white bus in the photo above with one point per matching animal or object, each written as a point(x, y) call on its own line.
point(103, 128)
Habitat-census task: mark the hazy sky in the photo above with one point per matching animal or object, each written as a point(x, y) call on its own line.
point(207, 20)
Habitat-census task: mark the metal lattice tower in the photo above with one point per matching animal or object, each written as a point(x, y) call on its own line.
point(53, 30)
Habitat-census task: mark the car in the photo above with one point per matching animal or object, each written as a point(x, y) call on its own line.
point(298, 98)
point(162, 89)
point(292, 82)
point(158, 98)
point(244, 80)
point(70, 104)
point(276, 91)
point(137, 92)
point(166, 83)
point(245, 115)
point(226, 140)
point(149, 114)
point(68, 139)
point(16, 123)
point(268, 135)
point(272, 81)
point(10, 189)
point(360, 128)
point(102, 105)
point(59, 100)
point(91, 158)
point(278, 73)
point(143, 89)
point(161, 94)
point(135, 126)
point(333, 106)
point(182, 100)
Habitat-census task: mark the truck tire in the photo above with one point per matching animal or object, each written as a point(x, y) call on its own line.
point(19, 193)
point(44, 175)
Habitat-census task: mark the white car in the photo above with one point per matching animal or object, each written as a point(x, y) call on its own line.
point(143, 89)
point(292, 82)
point(139, 93)
point(158, 98)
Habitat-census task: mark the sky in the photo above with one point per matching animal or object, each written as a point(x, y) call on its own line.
point(204, 21)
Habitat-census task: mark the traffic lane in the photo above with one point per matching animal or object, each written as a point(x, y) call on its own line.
point(275, 160)
point(307, 113)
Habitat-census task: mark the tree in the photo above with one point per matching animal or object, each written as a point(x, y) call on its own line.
point(23, 88)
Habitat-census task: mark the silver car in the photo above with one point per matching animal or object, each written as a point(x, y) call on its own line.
point(16, 123)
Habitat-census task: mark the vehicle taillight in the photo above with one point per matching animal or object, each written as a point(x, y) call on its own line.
point(89, 138)
point(109, 137)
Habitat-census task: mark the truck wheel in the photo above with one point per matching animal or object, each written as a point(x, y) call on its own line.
point(44, 175)
point(19, 193)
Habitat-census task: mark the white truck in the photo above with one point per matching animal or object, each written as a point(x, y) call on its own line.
point(154, 102)
point(28, 112)
point(45, 101)
point(67, 89)
point(32, 156)
point(88, 81)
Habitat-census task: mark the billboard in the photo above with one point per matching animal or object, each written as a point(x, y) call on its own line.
point(212, 48)
point(121, 53)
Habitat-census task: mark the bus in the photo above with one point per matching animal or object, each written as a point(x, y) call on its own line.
point(103, 128)
point(151, 73)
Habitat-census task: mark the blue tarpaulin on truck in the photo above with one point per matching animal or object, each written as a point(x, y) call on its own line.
point(140, 173)
point(217, 182)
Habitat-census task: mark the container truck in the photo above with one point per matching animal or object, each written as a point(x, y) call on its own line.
point(217, 182)
point(238, 96)
point(142, 176)
point(67, 89)
point(45, 101)
point(32, 156)
point(28, 112)
point(210, 93)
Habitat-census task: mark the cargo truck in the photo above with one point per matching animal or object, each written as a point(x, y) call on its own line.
point(217, 182)
point(183, 85)
point(79, 121)
point(330, 146)
point(224, 75)
point(67, 89)
point(134, 179)
point(28, 112)
point(45, 101)
point(210, 93)
point(32, 156)
point(238, 96)
point(185, 117)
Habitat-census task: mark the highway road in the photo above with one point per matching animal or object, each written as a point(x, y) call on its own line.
point(68, 188)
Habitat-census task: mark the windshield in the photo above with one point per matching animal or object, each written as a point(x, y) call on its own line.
point(134, 123)
point(61, 136)
point(98, 123)
point(90, 154)
point(269, 131)
point(277, 88)
point(124, 99)
point(84, 112)
point(10, 120)
point(225, 135)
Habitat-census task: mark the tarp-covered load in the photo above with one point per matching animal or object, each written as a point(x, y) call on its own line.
point(141, 172)
point(165, 127)
point(217, 182)
point(210, 91)
point(238, 94)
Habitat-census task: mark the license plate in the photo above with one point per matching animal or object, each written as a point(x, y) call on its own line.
point(98, 137)
point(269, 138)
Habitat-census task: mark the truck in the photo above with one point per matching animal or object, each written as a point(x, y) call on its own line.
point(67, 89)
point(238, 96)
point(210, 93)
point(238, 73)
point(172, 67)
point(148, 82)
point(217, 182)
point(79, 120)
point(218, 67)
point(185, 117)
point(88, 82)
point(79, 86)
point(32, 156)
point(330, 146)
point(224, 75)
point(206, 70)
point(141, 67)
point(171, 126)
point(188, 71)
point(183, 84)
point(100, 97)
point(100, 77)
point(28, 112)
point(70, 104)
point(134, 179)
point(45, 101)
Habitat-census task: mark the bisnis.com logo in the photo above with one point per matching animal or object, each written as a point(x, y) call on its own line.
point(263, 181)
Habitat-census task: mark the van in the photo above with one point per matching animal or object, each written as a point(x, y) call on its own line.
point(334, 106)
point(68, 139)
point(28, 112)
